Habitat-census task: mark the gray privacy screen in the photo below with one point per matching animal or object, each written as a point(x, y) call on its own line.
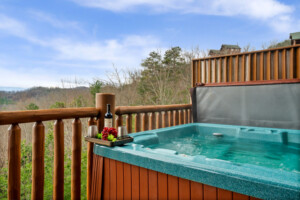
point(276, 105)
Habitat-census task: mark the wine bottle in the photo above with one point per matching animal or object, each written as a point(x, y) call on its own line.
point(108, 117)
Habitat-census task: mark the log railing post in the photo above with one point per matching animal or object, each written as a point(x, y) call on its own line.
point(14, 162)
point(38, 154)
point(102, 99)
point(76, 160)
point(145, 122)
point(58, 176)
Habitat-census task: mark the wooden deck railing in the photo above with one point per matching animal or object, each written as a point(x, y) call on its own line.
point(145, 118)
point(269, 64)
point(142, 118)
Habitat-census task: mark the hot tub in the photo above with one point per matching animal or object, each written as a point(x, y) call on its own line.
point(208, 161)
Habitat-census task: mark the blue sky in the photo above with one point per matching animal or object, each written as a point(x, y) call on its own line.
point(45, 42)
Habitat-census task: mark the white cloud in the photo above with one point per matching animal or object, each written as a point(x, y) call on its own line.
point(54, 21)
point(70, 53)
point(271, 12)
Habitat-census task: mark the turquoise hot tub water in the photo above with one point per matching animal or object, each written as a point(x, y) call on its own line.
point(259, 162)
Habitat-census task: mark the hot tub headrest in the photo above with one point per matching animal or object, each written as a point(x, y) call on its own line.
point(267, 104)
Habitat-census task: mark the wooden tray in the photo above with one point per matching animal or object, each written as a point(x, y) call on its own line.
point(109, 143)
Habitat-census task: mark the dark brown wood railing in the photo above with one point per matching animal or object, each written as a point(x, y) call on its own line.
point(270, 64)
point(38, 149)
point(138, 118)
point(152, 117)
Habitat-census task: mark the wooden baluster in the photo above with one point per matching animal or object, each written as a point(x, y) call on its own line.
point(198, 71)
point(261, 66)
point(298, 62)
point(268, 65)
point(152, 121)
point(220, 70)
point(158, 120)
point(185, 117)
point(14, 162)
point(170, 118)
point(291, 65)
point(283, 64)
point(180, 117)
point(164, 119)
point(189, 116)
point(204, 72)
point(90, 147)
point(76, 159)
point(254, 67)
point(129, 123)
point(248, 68)
point(176, 117)
point(38, 150)
point(58, 175)
point(119, 121)
point(194, 70)
point(209, 71)
point(138, 122)
point(145, 122)
point(236, 69)
point(215, 71)
point(225, 69)
point(276, 65)
point(230, 70)
point(243, 69)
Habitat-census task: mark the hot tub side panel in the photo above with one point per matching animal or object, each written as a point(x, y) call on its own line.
point(117, 180)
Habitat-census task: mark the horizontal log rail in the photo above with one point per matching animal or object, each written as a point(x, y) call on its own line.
point(269, 64)
point(27, 116)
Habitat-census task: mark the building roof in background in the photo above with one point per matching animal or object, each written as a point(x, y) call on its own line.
point(295, 36)
point(214, 51)
point(230, 46)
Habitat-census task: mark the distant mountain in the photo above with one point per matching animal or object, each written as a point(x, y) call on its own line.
point(11, 89)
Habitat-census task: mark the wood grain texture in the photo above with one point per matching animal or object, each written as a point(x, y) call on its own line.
point(283, 64)
point(112, 179)
point(144, 184)
point(38, 154)
point(58, 167)
point(135, 181)
point(120, 180)
point(152, 121)
point(145, 122)
point(162, 180)
point(153, 185)
point(76, 159)
point(127, 181)
point(230, 69)
point(26, 116)
point(224, 194)
point(254, 67)
point(106, 183)
point(184, 189)
point(173, 187)
point(129, 123)
point(137, 122)
point(196, 191)
point(89, 167)
point(158, 120)
point(298, 62)
point(236, 69)
point(209, 71)
point(237, 196)
point(291, 64)
point(276, 62)
point(209, 192)
point(14, 162)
